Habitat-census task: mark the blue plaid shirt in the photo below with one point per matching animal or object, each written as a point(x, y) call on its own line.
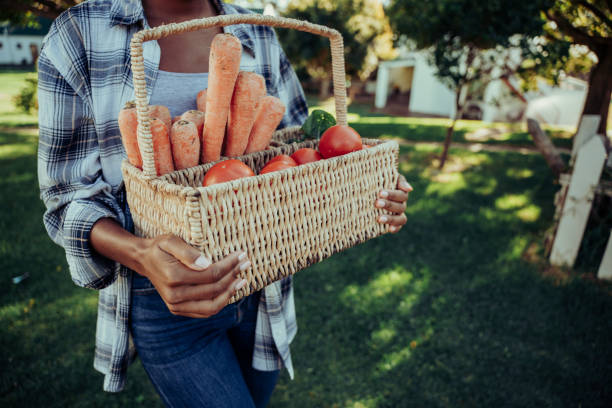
point(84, 79)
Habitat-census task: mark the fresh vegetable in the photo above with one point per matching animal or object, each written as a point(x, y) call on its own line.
point(161, 112)
point(226, 170)
point(317, 123)
point(339, 140)
point(162, 150)
point(224, 64)
point(128, 127)
point(282, 158)
point(250, 88)
point(196, 117)
point(185, 144)
point(270, 112)
point(306, 155)
point(201, 101)
point(275, 166)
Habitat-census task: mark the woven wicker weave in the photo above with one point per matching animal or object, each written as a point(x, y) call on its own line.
point(286, 220)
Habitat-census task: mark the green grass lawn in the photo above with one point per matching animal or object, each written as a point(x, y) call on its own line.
point(363, 118)
point(447, 313)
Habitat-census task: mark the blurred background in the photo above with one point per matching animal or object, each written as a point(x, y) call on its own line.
point(496, 293)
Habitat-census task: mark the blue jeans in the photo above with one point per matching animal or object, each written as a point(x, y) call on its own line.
point(199, 362)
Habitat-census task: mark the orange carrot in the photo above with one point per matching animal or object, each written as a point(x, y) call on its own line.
point(128, 126)
point(201, 100)
point(196, 117)
point(224, 64)
point(270, 111)
point(161, 147)
point(249, 89)
point(185, 144)
point(161, 112)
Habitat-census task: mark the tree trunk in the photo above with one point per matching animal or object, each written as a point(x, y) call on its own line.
point(546, 147)
point(600, 86)
point(447, 142)
point(451, 128)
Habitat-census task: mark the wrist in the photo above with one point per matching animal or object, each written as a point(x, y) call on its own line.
point(110, 240)
point(137, 254)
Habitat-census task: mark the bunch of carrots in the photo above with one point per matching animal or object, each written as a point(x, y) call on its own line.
point(234, 115)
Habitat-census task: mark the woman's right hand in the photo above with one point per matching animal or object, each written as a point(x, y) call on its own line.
point(189, 283)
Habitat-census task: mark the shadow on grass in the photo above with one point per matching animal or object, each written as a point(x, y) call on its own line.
point(446, 313)
point(48, 324)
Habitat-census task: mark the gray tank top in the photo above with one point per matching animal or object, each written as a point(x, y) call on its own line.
point(178, 90)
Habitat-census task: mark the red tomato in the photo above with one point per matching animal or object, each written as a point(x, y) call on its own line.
point(306, 155)
point(283, 158)
point(226, 170)
point(339, 140)
point(275, 166)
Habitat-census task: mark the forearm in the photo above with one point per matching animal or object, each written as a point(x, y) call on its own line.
point(110, 240)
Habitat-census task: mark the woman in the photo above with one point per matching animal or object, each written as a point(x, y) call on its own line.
point(160, 297)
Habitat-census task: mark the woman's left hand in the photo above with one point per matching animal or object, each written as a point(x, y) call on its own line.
point(394, 201)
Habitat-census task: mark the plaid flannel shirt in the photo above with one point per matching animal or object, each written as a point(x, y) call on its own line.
point(84, 79)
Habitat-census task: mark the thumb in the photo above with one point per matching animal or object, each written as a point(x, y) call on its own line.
point(185, 253)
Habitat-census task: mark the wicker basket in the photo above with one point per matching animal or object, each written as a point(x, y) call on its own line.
point(286, 220)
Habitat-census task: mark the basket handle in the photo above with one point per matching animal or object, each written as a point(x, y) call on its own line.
point(145, 142)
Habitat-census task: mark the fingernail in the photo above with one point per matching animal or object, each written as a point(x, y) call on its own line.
point(407, 186)
point(380, 203)
point(245, 265)
point(242, 256)
point(392, 228)
point(383, 218)
point(202, 262)
point(384, 194)
point(240, 284)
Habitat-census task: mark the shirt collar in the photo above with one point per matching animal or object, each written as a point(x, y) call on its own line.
point(128, 12)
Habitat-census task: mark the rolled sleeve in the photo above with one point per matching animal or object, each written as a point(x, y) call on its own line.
point(70, 175)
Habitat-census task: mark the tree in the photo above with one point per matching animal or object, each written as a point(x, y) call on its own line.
point(588, 22)
point(472, 40)
point(363, 24)
point(23, 11)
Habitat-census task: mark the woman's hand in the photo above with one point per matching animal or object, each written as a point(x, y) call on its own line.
point(189, 283)
point(394, 201)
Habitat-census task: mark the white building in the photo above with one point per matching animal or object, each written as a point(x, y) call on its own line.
point(413, 75)
point(21, 45)
point(502, 101)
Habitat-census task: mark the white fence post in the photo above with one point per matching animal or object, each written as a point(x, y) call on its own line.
point(577, 206)
point(587, 128)
point(605, 269)
point(382, 86)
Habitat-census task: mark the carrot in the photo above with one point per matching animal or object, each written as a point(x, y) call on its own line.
point(224, 64)
point(196, 117)
point(201, 100)
point(161, 112)
point(270, 111)
point(128, 127)
point(185, 144)
point(161, 147)
point(249, 89)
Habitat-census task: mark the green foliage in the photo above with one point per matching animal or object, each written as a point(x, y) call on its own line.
point(27, 100)
point(317, 122)
point(362, 23)
point(24, 12)
point(474, 40)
